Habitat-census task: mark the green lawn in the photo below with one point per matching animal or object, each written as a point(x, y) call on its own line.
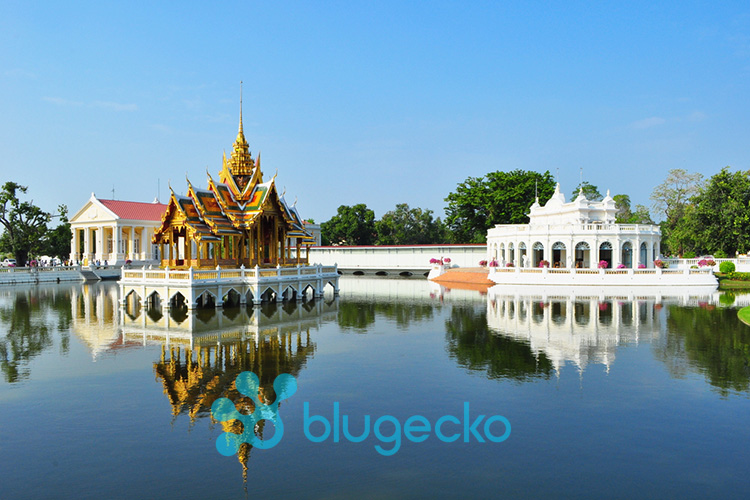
point(727, 284)
point(744, 315)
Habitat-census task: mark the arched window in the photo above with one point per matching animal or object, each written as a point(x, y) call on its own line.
point(627, 255)
point(605, 254)
point(583, 255)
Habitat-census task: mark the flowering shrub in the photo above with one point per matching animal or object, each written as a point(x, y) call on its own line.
point(603, 264)
point(706, 263)
point(482, 263)
point(494, 263)
point(641, 266)
point(543, 263)
point(620, 266)
point(509, 264)
point(447, 260)
point(435, 261)
point(660, 264)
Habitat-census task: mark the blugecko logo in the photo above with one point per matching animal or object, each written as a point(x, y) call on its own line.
point(223, 410)
point(417, 428)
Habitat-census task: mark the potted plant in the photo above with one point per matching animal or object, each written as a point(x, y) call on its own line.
point(543, 263)
point(603, 264)
point(483, 263)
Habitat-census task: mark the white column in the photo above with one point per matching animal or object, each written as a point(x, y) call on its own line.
point(616, 252)
point(116, 243)
point(73, 244)
point(637, 252)
point(131, 245)
point(100, 243)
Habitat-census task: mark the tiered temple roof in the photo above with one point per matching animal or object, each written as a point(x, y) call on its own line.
point(233, 205)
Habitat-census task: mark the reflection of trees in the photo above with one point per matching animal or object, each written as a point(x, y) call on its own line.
point(359, 315)
point(29, 328)
point(713, 340)
point(194, 379)
point(476, 347)
point(356, 315)
point(403, 314)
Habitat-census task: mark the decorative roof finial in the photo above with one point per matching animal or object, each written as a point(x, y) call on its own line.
point(241, 131)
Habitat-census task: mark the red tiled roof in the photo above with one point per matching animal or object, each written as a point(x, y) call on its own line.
point(135, 210)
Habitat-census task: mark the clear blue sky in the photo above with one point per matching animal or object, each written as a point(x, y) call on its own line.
point(369, 102)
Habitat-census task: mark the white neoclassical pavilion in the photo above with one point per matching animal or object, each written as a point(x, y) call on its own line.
point(577, 234)
point(114, 232)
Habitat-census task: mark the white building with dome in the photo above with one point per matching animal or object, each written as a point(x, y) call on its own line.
point(578, 234)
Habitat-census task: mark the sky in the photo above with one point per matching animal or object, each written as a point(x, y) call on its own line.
point(377, 102)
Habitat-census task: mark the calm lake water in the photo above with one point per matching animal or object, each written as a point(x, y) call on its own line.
point(633, 395)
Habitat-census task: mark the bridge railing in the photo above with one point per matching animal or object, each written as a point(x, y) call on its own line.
point(251, 274)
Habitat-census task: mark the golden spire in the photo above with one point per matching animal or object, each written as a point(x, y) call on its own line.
point(241, 132)
point(241, 163)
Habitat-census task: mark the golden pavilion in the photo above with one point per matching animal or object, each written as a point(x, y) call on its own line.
point(237, 241)
point(238, 221)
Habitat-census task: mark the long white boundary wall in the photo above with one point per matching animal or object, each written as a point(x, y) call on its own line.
point(413, 259)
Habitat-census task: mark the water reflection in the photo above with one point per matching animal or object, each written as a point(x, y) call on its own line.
point(711, 340)
point(574, 329)
point(32, 320)
point(193, 378)
point(474, 345)
point(203, 351)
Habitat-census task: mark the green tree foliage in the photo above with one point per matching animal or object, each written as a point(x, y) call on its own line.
point(720, 217)
point(640, 215)
point(353, 225)
point(409, 226)
point(497, 198)
point(671, 200)
point(25, 224)
point(622, 203)
point(590, 191)
point(56, 242)
point(626, 215)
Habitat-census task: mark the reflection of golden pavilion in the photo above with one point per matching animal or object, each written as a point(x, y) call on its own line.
point(202, 352)
point(237, 235)
point(582, 327)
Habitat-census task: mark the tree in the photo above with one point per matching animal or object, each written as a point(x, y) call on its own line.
point(497, 198)
point(409, 226)
point(25, 223)
point(350, 226)
point(590, 191)
point(670, 201)
point(640, 215)
point(56, 242)
point(626, 215)
point(720, 218)
point(671, 196)
point(622, 202)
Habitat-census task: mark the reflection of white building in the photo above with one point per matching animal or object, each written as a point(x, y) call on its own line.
point(576, 234)
point(579, 330)
point(114, 231)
